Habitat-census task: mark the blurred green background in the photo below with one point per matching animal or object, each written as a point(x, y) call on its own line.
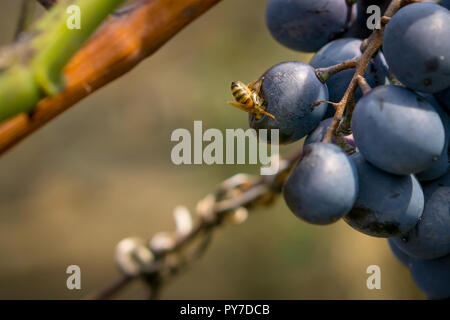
point(102, 172)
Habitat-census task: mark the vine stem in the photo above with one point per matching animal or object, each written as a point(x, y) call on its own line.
point(363, 84)
point(240, 191)
point(371, 46)
point(325, 73)
point(31, 68)
point(116, 48)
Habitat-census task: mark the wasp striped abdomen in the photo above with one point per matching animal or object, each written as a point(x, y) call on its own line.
point(242, 93)
point(248, 99)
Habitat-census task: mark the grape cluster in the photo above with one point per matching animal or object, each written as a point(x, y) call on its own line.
point(385, 169)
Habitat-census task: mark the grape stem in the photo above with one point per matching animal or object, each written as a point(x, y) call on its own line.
point(370, 47)
point(363, 84)
point(325, 73)
point(385, 20)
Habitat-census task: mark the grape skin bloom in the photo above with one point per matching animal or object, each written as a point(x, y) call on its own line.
point(430, 238)
point(323, 187)
point(422, 65)
point(432, 276)
point(289, 89)
point(440, 166)
point(307, 25)
point(397, 130)
point(387, 204)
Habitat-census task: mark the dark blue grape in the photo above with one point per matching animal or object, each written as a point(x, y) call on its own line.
point(289, 89)
point(444, 99)
point(399, 254)
point(446, 4)
point(430, 238)
point(429, 187)
point(323, 186)
point(318, 134)
point(387, 205)
point(432, 276)
point(416, 47)
point(306, 25)
point(397, 130)
point(339, 51)
point(440, 166)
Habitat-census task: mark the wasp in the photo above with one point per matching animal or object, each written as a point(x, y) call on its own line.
point(248, 98)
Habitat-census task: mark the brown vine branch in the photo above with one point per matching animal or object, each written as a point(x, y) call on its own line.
point(325, 73)
point(363, 84)
point(371, 47)
point(318, 103)
point(240, 192)
point(117, 47)
point(385, 20)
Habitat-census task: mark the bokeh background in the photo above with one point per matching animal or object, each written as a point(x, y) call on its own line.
point(102, 172)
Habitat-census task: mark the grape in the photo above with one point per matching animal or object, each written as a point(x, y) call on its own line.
point(430, 238)
point(444, 98)
point(289, 90)
point(439, 167)
point(446, 4)
point(387, 205)
point(318, 134)
point(430, 187)
point(432, 276)
point(323, 186)
point(417, 47)
point(397, 130)
point(339, 51)
point(306, 25)
point(399, 254)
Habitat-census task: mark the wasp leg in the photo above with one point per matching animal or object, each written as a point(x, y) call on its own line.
point(241, 106)
point(257, 111)
point(260, 110)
